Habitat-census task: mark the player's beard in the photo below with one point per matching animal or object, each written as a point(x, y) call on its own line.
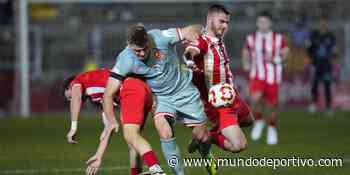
point(216, 30)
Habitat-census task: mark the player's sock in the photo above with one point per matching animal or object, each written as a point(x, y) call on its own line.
point(172, 155)
point(150, 158)
point(218, 139)
point(273, 120)
point(258, 116)
point(135, 171)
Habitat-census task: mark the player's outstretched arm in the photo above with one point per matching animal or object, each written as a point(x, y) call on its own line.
point(95, 161)
point(75, 107)
point(284, 53)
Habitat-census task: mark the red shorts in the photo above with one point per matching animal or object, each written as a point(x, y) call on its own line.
point(135, 101)
point(223, 117)
point(269, 91)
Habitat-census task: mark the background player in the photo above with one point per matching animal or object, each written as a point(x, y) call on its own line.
point(263, 56)
point(153, 55)
point(322, 51)
point(135, 101)
point(212, 68)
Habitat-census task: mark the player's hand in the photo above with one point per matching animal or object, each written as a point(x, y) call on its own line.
point(190, 64)
point(191, 33)
point(71, 137)
point(94, 164)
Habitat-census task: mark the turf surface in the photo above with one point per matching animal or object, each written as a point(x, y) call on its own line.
point(37, 145)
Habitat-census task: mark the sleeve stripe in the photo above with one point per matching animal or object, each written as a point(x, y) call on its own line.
point(117, 76)
point(179, 34)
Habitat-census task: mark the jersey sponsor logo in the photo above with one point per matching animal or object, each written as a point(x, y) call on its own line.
point(158, 54)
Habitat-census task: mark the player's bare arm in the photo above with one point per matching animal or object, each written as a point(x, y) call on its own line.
point(75, 107)
point(284, 53)
point(245, 59)
point(95, 161)
point(112, 87)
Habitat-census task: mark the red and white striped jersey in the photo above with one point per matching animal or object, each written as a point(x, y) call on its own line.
point(213, 61)
point(92, 83)
point(263, 47)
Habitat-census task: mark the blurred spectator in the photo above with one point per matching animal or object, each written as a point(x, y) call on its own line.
point(300, 32)
point(299, 35)
point(322, 51)
point(6, 12)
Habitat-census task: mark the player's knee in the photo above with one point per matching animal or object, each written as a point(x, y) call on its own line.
point(200, 133)
point(238, 146)
point(130, 137)
point(241, 144)
point(163, 127)
point(164, 131)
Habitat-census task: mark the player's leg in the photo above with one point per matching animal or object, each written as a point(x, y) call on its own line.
point(236, 140)
point(164, 125)
point(132, 137)
point(256, 88)
point(244, 113)
point(191, 112)
point(231, 119)
point(136, 101)
point(314, 93)
point(272, 108)
point(327, 80)
point(229, 127)
point(135, 161)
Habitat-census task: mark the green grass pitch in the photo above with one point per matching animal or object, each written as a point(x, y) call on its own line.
point(37, 145)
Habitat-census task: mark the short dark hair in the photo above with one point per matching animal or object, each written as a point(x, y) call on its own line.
point(218, 8)
point(265, 14)
point(137, 35)
point(65, 85)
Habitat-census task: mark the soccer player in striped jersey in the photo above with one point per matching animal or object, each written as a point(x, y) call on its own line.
point(135, 103)
point(211, 67)
point(263, 55)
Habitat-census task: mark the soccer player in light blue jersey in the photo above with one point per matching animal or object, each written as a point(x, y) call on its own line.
point(152, 55)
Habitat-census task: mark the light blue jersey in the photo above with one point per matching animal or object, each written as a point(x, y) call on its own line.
point(169, 81)
point(161, 68)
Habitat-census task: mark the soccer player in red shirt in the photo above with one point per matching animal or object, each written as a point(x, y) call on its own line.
point(135, 103)
point(263, 55)
point(211, 67)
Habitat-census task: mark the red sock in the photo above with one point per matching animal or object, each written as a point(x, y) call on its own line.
point(273, 119)
point(258, 116)
point(150, 158)
point(135, 171)
point(218, 140)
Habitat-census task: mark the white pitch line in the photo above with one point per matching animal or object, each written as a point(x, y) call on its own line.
point(59, 170)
